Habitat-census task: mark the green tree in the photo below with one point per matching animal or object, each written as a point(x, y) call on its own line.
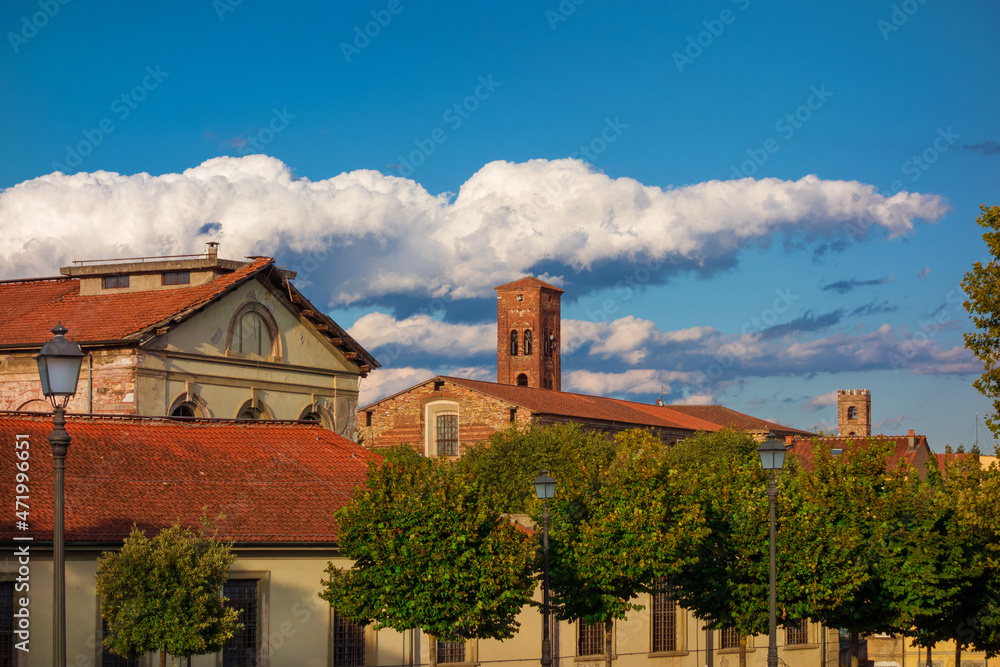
point(982, 286)
point(724, 581)
point(837, 537)
point(617, 535)
point(941, 575)
point(507, 463)
point(165, 594)
point(431, 553)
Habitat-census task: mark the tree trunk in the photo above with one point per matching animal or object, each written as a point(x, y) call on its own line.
point(958, 653)
point(928, 656)
point(163, 657)
point(855, 649)
point(609, 626)
point(432, 648)
point(743, 651)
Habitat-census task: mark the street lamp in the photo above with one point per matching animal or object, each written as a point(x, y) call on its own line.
point(545, 488)
point(59, 364)
point(772, 456)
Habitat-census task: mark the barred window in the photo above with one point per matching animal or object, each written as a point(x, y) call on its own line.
point(348, 642)
point(450, 651)
point(447, 435)
point(664, 615)
point(590, 638)
point(797, 634)
point(527, 342)
point(241, 649)
point(7, 655)
point(109, 659)
point(730, 638)
point(513, 343)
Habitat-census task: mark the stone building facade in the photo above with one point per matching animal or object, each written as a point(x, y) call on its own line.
point(196, 337)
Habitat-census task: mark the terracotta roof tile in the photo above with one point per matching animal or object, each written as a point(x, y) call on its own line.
point(728, 418)
point(528, 282)
point(30, 308)
point(273, 482)
point(803, 448)
point(584, 406)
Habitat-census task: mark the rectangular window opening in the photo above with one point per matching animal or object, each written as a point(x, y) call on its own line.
point(114, 282)
point(348, 642)
point(368, 417)
point(447, 435)
point(590, 639)
point(241, 649)
point(664, 614)
point(730, 638)
point(450, 652)
point(513, 415)
point(797, 634)
point(177, 278)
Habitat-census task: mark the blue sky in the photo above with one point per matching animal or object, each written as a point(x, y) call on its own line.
point(750, 204)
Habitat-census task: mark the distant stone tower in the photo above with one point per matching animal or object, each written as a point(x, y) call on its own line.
point(854, 412)
point(528, 334)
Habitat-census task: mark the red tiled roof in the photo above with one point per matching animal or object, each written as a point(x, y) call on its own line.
point(30, 308)
point(273, 482)
point(528, 282)
point(803, 448)
point(583, 406)
point(727, 418)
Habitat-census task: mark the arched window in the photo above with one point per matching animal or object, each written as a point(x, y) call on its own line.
point(249, 412)
point(513, 343)
point(255, 409)
point(183, 410)
point(852, 412)
point(527, 341)
point(522, 380)
point(251, 335)
point(253, 332)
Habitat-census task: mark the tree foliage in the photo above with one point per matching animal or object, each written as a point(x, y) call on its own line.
point(982, 286)
point(430, 553)
point(165, 594)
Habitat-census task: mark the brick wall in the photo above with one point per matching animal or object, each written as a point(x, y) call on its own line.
point(861, 400)
point(538, 310)
point(111, 390)
point(401, 420)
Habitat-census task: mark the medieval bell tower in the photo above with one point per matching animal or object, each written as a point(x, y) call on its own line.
point(854, 413)
point(528, 334)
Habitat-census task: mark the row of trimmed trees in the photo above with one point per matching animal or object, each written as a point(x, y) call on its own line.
point(861, 546)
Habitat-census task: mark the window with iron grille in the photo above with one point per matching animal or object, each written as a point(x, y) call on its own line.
point(664, 614)
point(797, 634)
point(241, 649)
point(109, 659)
point(7, 656)
point(447, 435)
point(348, 642)
point(450, 651)
point(730, 638)
point(590, 638)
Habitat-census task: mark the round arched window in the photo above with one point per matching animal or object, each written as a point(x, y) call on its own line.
point(252, 335)
point(522, 380)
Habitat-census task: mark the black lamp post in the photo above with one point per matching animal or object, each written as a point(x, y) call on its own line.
point(545, 488)
point(59, 364)
point(772, 457)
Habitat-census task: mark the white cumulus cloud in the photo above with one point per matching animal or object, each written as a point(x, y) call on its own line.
point(364, 234)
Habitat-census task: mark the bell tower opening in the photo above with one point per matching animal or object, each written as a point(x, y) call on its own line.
point(528, 334)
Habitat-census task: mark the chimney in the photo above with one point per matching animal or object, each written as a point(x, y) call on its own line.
point(912, 438)
point(213, 250)
point(788, 439)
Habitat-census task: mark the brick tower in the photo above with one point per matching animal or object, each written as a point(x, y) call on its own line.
point(854, 412)
point(528, 334)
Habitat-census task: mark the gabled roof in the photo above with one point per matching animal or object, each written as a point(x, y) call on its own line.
point(727, 418)
point(30, 308)
point(804, 448)
point(274, 482)
point(528, 282)
point(576, 406)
